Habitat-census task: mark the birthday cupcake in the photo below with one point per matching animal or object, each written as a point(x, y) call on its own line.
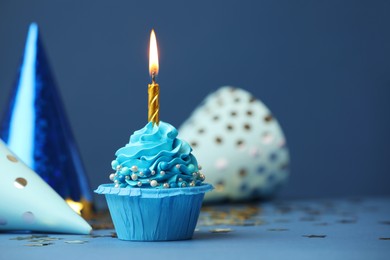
point(157, 188)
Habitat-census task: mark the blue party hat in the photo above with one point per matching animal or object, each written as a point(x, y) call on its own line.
point(36, 129)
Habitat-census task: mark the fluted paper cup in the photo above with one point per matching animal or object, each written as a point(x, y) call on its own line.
point(145, 214)
point(240, 145)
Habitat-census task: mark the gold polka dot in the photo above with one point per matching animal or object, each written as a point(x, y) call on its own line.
point(20, 183)
point(268, 118)
point(247, 127)
point(194, 144)
point(237, 99)
point(215, 118)
point(249, 112)
point(242, 172)
point(12, 158)
point(252, 99)
point(231, 89)
point(218, 140)
point(229, 127)
point(233, 113)
point(201, 131)
point(284, 166)
point(239, 142)
point(219, 186)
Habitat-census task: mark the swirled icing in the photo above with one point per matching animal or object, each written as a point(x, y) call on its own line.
point(155, 157)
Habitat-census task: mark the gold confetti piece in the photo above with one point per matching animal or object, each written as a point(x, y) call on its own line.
point(314, 236)
point(347, 221)
point(308, 219)
point(221, 230)
point(112, 234)
point(39, 244)
point(37, 240)
point(75, 241)
point(29, 237)
point(52, 238)
point(282, 220)
point(278, 229)
point(321, 224)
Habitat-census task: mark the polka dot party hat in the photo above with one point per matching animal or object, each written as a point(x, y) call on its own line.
point(28, 203)
point(239, 144)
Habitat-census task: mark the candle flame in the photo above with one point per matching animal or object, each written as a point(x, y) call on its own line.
point(153, 55)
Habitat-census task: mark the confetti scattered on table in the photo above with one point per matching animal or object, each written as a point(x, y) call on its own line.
point(234, 216)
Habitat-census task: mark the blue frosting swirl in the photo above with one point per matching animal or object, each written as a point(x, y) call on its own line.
point(155, 157)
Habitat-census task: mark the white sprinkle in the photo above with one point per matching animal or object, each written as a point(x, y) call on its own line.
point(134, 168)
point(178, 166)
point(162, 173)
point(117, 185)
point(139, 184)
point(153, 183)
point(200, 167)
point(166, 185)
point(141, 174)
point(134, 177)
point(112, 176)
point(180, 179)
point(153, 172)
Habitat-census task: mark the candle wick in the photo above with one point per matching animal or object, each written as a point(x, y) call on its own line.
point(153, 77)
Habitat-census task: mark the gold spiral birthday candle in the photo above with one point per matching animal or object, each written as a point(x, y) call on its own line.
point(154, 88)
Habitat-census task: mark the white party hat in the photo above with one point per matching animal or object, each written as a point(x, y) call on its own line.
point(239, 144)
point(28, 203)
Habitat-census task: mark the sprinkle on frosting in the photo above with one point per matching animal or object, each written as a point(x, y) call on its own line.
point(156, 158)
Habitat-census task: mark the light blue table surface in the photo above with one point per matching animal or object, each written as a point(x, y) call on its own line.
point(353, 229)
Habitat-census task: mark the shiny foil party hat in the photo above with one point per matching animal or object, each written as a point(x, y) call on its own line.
point(36, 129)
point(28, 203)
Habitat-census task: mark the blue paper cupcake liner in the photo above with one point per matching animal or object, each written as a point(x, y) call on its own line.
point(141, 214)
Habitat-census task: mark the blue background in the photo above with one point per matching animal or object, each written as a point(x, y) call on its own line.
point(322, 67)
